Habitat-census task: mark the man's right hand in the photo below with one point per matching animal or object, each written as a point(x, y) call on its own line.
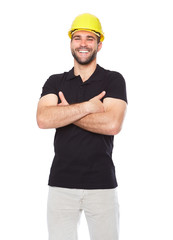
point(95, 104)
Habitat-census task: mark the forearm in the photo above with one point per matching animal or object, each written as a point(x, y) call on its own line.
point(59, 116)
point(101, 123)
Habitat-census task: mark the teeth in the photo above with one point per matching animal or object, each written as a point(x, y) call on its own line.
point(83, 51)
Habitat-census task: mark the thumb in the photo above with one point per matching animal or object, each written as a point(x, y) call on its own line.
point(62, 98)
point(101, 95)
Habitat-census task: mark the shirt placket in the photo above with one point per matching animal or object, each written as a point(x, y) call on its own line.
point(82, 91)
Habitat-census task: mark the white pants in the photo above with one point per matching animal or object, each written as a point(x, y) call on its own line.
point(101, 210)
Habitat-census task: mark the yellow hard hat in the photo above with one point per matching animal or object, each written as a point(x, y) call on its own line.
point(87, 22)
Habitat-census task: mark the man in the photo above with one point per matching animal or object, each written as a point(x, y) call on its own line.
point(86, 106)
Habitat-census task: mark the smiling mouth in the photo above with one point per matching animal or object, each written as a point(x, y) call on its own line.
point(83, 51)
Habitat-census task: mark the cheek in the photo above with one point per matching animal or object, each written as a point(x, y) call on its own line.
point(74, 46)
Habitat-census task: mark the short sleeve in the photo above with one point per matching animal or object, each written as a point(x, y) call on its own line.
point(116, 87)
point(50, 86)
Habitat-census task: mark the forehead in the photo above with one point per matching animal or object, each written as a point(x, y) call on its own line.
point(84, 34)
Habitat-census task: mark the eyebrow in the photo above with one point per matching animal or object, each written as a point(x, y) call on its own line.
point(75, 36)
point(88, 36)
point(91, 37)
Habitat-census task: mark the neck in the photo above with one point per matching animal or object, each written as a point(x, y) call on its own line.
point(85, 71)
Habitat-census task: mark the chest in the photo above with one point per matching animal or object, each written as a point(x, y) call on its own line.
point(76, 91)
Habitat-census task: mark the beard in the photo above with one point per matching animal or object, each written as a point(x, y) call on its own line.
point(87, 60)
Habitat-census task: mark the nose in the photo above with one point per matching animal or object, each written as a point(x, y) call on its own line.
point(83, 42)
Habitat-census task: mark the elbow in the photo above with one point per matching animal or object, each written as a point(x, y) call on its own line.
point(41, 122)
point(41, 125)
point(114, 128)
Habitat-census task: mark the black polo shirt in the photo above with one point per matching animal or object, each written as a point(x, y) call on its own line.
point(83, 159)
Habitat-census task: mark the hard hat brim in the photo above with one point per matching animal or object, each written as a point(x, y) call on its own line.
point(71, 32)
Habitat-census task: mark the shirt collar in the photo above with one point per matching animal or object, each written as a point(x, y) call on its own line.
point(71, 75)
point(94, 77)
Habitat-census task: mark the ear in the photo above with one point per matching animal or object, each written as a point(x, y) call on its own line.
point(99, 46)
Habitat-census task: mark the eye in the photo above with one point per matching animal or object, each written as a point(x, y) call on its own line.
point(90, 39)
point(76, 38)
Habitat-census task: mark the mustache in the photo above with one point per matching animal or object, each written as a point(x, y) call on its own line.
point(83, 48)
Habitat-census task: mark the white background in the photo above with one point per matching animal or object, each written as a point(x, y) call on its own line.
point(138, 43)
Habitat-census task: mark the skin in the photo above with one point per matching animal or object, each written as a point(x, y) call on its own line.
point(85, 40)
point(89, 53)
point(93, 115)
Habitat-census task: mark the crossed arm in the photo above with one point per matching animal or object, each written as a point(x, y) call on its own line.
point(108, 122)
point(93, 115)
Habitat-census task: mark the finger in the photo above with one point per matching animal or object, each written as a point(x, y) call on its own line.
point(101, 95)
point(62, 99)
point(61, 96)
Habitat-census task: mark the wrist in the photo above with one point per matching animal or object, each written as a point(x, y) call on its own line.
point(88, 107)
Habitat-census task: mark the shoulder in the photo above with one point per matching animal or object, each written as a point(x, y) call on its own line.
point(53, 84)
point(56, 77)
point(115, 85)
point(115, 76)
point(111, 73)
point(112, 76)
